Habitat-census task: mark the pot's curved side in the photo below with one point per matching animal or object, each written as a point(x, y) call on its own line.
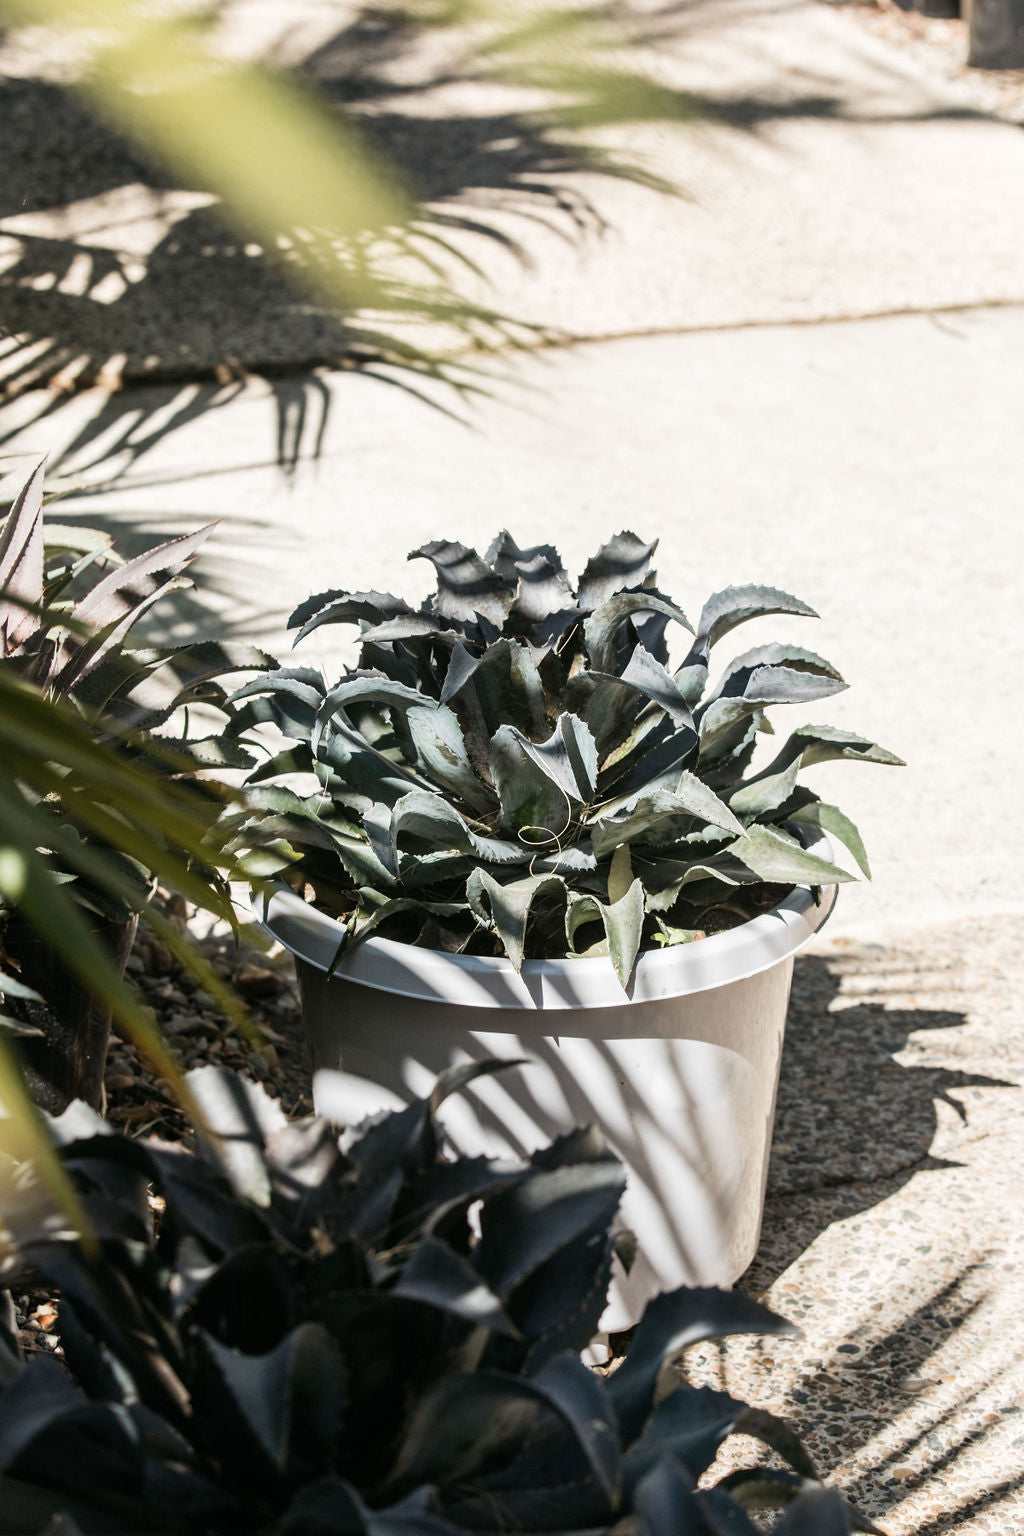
point(680, 1074)
point(683, 1089)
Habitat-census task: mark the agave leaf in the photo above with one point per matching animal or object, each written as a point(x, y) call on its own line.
point(764, 795)
point(581, 1397)
point(659, 818)
point(411, 626)
point(529, 686)
point(690, 798)
point(623, 922)
point(811, 744)
point(293, 696)
point(367, 689)
point(485, 1415)
point(791, 685)
point(336, 607)
point(291, 1400)
point(656, 683)
point(666, 1505)
point(461, 668)
point(194, 664)
point(603, 626)
point(214, 751)
point(608, 705)
point(720, 614)
point(441, 753)
point(691, 1424)
point(668, 934)
point(735, 678)
point(121, 591)
point(726, 1517)
point(762, 1488)
point(620, 873)
point(666, 877)
point(816, 1512)
point(538, 783)
point(501, 687)
point(506, 907)
point(466, 586)
point(295, 759)
point(670, 1323)
point(238, 1117)
point(762, 685)
point(777, 1434)
point(277, 801)
point(332, 1504)
point(12, 986)
point(574, 860)
point(33, 1403)
point(542, 586)
point(726, 726)
point(439, 1277)
point(781, 860)
point(524, 1226)
point(652, 758)
point(426, 815)
point(623, 562)
point(390, 906)
point(831, 820)
point(21, 564)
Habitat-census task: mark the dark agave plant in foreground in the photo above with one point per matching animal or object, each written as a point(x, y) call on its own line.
point(516, 767)
point(375, 1341)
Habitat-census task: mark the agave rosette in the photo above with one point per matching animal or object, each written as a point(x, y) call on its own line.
point(375, 1341)
point(516, 767)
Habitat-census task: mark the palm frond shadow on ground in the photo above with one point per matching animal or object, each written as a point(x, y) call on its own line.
point(849, 1118)
point(884, 1417)
point(901, 1398)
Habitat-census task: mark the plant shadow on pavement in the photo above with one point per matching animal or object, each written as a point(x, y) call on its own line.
point(135, 282)
point(109, 272)
point(852, 1125)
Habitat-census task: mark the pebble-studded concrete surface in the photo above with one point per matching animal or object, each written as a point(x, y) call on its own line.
point(893, 1231)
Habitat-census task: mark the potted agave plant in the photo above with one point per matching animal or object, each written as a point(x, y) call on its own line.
point(521, 830)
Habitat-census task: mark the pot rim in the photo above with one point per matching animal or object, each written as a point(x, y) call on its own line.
point(485, 981)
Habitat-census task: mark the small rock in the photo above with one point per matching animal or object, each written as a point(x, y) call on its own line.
point(135, 965)
point(256, 981)
point(118, 1082)
point(187, 1024)
point(202, 1000)
point(161, 961)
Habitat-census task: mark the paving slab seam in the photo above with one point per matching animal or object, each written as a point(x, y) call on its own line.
point(232, 370)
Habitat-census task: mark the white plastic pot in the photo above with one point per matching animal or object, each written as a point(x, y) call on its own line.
point(680, 1071)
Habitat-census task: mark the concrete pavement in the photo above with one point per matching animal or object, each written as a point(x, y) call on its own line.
point(810, 374)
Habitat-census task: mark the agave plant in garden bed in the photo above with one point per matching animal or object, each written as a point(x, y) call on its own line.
point(517, 768)
point(315, 1340)
point(103, 795)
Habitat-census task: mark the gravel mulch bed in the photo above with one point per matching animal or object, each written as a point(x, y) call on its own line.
point(273, 1052)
